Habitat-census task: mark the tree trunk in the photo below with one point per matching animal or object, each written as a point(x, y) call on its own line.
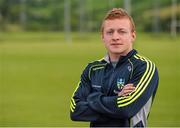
point(23, 16)
point(155, 22)
point(173, 18)
point(67, 20)
point(127, 6)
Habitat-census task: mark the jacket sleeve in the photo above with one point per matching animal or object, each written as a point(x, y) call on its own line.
point(145, 78)
point(79, 107)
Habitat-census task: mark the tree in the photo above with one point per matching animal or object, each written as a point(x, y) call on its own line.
point(155, 22)
point(22, 15)
point(127, 6)
point(81, 15)
point(67, 20)
point(173, 18)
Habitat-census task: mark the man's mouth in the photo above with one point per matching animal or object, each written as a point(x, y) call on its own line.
point(116, 44)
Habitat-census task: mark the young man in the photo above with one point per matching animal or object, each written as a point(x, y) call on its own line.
point(118, 90)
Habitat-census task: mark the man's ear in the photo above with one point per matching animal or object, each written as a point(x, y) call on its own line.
point(133, 36)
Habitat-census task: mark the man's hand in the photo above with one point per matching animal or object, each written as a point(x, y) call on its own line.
point(126, 90)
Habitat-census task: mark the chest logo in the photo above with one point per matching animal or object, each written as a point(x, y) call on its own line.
point(120, 82)
point(120, 85)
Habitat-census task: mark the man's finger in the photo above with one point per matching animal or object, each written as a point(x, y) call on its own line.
point(126, 90)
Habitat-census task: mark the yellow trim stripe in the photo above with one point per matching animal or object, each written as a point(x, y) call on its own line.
point(139, 87)
point(145, 58)
point(122, 105)
point(76, 88)
point(136, 57)
point(72, 105)
point(141, 57)
point(139, 84)
point(72, 101)
point(72, 110)
point(101, 59)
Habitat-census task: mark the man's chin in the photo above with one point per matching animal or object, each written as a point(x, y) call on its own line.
point(116, 51)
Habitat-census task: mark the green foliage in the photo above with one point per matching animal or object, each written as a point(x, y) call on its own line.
point(48, 15)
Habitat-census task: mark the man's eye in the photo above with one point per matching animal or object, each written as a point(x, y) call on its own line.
point(109, 32)
point(122, 32)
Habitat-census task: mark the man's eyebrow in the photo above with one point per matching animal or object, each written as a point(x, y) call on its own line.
point(121, 29)
point(118, 29)
point(110, 29)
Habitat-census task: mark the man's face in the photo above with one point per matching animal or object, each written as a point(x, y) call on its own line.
point(118, 36)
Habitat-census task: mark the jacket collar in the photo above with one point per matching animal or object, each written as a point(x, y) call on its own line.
point(123, 58)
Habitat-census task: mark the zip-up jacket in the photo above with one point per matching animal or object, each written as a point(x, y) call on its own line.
point(95, 99)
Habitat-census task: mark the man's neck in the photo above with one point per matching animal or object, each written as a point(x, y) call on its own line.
point(114, 57)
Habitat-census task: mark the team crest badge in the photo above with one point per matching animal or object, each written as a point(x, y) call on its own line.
point(120, 84)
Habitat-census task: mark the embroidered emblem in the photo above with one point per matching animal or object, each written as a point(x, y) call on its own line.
point(120, 85)
point(120, 82)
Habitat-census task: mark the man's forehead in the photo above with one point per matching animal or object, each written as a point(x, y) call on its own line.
point(117, 23)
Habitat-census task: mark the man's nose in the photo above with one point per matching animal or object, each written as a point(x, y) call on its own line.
point(116, 36)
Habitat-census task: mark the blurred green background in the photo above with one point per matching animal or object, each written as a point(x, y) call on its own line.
point(45, 45)
point(39, 73)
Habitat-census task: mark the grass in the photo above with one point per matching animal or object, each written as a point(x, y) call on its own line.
point(39, 72)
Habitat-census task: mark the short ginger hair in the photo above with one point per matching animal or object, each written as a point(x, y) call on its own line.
point(118, 13)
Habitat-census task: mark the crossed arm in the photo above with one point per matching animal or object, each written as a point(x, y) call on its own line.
point(84, 112)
